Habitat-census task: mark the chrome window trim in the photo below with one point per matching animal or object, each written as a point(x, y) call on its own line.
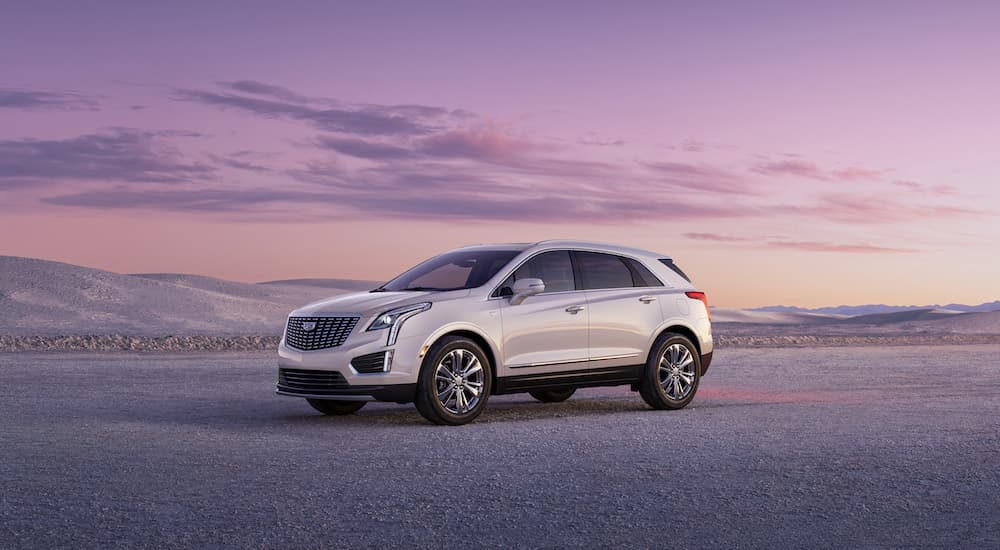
point(490, 296)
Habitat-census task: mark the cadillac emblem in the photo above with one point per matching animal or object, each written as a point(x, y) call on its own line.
point(308, 326)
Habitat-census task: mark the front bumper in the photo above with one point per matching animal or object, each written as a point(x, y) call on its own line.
point(314, 384)
point(328, 373)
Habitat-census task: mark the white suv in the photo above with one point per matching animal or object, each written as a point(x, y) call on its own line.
point(542, 318)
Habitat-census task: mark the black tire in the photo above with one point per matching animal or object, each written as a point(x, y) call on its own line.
point(331, 407)
point(553, 396)
point(447, 353)
point(657, 387)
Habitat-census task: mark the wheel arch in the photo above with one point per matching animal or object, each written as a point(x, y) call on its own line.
point(676, 328)
point(480, 339)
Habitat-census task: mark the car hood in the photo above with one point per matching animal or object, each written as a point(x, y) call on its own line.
point(373, 303)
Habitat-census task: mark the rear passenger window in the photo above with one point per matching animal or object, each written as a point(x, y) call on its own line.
point(554, 269)
point(641, 276)
point(603, 271)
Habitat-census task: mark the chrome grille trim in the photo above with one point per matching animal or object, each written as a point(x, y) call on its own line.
point(329, 332)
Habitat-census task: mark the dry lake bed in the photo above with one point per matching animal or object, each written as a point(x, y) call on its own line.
point(783, 447)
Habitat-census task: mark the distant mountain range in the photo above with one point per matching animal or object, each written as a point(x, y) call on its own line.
point(870, 309)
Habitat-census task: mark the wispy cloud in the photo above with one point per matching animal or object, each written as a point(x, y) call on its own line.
point(940, 190)
point(254, 87)
point(700, 177)
point(602, 143)
point(355, 200)
point(16, 98)
point(239, 162)
point(870, 208)
point(360, 148)
point(819, 246)
point(330, 115)
point(854, 173)
point(797, 167)
point(808, 246)
point(716, 237)
point(117, 154)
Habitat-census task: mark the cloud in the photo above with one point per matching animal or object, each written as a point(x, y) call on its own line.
point(600, 143)
point(414, 190)
point(800, 168)
point(544, 207)
point(817, 246)
point(14, 98)
point(700, 177)
point(259, 88)
point(185, 200)
point(364, 149)
point(854, 173)
point(874, 209)
point(811, 246)
point(117, 154)
point(488, 143)
point(939, 190)
point(360, 119)
point(810, 170)
point(237, 162)
point(715, 237)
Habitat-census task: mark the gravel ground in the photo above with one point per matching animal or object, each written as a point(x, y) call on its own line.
point(783, 447)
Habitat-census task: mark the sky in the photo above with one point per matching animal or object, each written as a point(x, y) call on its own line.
point(797, 153)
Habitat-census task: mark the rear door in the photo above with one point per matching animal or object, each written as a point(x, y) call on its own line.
point(622, 297)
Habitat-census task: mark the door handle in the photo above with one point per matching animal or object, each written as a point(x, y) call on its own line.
point(647, 299)
point(575, 309)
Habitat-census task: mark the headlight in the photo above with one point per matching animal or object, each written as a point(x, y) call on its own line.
point(394, 318)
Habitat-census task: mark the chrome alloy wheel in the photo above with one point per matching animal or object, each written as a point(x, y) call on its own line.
point(458, 379)
point(676, 373)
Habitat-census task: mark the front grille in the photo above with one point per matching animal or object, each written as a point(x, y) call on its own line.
point(316, 382)
point(371, 363)
point(328, 332)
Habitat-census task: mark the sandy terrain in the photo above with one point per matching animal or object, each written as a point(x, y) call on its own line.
point(782, 448)
point(43, 298)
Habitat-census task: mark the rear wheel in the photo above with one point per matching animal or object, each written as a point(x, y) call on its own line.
point(672, 373)
point(455, 382)
point(553, 396)
point(334, 407)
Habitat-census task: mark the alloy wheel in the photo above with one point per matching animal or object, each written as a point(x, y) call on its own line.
point(459, 380)
point(677, 371)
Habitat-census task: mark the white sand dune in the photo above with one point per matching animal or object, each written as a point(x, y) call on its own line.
point(40, 297)
point(962, 323)
point(728, 315)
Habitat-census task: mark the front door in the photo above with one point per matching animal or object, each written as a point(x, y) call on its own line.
point(547, 332)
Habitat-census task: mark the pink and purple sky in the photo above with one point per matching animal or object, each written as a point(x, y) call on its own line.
point(784, 153)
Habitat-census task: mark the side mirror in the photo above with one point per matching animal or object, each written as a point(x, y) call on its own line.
point(525, 287)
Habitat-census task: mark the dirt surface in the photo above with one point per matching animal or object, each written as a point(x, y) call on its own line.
point(789, 447)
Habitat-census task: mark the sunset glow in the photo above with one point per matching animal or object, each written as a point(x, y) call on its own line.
point(795, 153)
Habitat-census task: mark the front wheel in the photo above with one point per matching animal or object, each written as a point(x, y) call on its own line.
point(332, 407)
point(672, 373)
point(455, 382)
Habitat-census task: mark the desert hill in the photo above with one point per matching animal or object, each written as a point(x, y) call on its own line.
point(41, 297)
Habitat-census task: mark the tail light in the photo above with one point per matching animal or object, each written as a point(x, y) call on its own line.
point(704, 299)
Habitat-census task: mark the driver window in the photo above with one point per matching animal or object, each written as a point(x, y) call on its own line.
point(554, 268)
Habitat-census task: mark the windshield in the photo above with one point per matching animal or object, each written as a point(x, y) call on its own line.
point(452, 271)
